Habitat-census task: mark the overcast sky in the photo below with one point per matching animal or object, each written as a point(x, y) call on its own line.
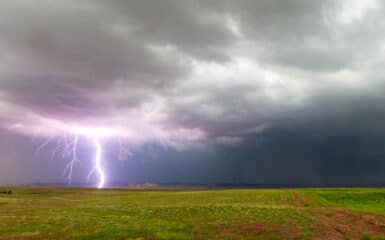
point(211, 91)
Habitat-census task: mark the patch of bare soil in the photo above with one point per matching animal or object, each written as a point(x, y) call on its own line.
point(259, 229)
point(324, 223)
point(335, 224)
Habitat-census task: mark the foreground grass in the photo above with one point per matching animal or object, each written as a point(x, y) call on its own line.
point(69, 213)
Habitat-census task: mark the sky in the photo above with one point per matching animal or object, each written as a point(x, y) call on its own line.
point(203, 91)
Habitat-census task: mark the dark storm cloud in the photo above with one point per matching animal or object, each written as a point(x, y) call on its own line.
point(63, 50)
point(249, 75)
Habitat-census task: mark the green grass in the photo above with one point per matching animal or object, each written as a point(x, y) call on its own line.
point(71, 213)
point(361, 199)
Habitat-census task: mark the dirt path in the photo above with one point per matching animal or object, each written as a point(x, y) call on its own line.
point(298, 199)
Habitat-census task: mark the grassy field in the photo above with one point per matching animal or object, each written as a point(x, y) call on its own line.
point(72, 213)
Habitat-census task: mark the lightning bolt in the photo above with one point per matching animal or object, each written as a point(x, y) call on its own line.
point(98, 163)
point(68, 147)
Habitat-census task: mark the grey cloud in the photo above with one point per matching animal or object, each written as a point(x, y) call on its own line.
point(283, 73)
point(307, 34)
point(56, 53)
point(186, 25)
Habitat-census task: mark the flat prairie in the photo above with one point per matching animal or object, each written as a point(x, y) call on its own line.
point(79, 213)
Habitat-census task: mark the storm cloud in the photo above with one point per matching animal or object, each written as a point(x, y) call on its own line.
point(266, 91)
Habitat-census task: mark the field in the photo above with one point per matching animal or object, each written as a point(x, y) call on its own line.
point(74, 213)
